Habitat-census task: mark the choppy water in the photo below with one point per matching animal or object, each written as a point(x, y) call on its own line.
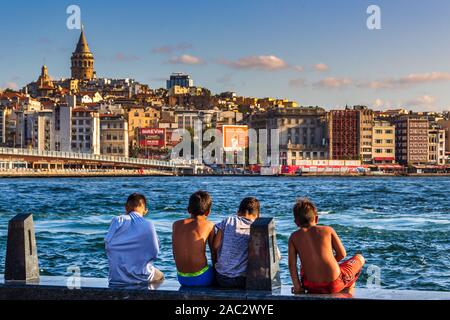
point(401, 225)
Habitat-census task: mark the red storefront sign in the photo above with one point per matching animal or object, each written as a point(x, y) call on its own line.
point(152, 137)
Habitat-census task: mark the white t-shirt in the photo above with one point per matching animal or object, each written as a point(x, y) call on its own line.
point(131, 246)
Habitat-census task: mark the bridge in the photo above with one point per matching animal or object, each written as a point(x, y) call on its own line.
point(13, 158)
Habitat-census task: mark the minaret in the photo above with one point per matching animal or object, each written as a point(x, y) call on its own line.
point(82, 60)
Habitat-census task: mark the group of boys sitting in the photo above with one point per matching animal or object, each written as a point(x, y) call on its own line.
point(132, 246)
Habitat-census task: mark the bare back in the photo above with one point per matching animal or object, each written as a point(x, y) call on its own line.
point(189, 240)
point(315, 246)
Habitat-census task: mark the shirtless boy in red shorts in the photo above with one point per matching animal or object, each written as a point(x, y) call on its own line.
point(320, 270)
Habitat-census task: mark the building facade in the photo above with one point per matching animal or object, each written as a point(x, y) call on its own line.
point(365, 129)
point(383, 142)
point(114, 135)
point(411, 140)
point(303, 132)
point(85, 131)
point(141, 117)
point(3, 122)
point(181, 80)
point(344, 134)
point(436, 146)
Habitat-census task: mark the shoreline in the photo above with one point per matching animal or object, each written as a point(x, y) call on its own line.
point(49, 175)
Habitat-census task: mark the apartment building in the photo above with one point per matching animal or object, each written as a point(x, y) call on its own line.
point(436, 146)
point(303, 132)
point(411, 140)
point(85, 131)
point(114, 135)
point(383, 143)
point(344, 134)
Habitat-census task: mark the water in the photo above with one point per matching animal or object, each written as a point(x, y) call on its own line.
point(401, 225)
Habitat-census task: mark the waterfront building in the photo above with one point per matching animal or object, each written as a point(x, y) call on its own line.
point(436, 146)
point(365, 128)
point(383, 143)
point(114, 135)
point(180, 79)
point(62, 119)
point(141, 117)
point(42, 132)
point(4, 111)
point(411, 140)
point(303, 132)
point(445, 125)
point(344, 134)
point(85, 131)
point(82, 61)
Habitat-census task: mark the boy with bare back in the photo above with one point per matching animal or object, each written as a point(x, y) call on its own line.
point(189, 238)
point(321, 271)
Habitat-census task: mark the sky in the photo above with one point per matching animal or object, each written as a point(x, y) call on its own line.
point(316, 52)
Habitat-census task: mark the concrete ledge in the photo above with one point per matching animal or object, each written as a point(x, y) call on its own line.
point(55, 288)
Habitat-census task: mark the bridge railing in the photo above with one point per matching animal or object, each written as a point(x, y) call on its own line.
point(94, 157)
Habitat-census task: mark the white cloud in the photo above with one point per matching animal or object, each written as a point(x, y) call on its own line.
point(186, 59)
point(405, 81)
point(257, 62)
point(321, 67)
point(423, 101)
point(334, 83)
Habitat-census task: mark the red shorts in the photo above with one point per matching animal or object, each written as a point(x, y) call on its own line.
point(350, 271)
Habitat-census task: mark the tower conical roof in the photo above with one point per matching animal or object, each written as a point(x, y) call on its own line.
point(82, 46)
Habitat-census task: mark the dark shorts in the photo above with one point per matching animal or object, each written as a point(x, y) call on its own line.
point(227, 282)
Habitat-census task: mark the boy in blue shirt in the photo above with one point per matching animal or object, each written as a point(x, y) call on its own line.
point(132, 245)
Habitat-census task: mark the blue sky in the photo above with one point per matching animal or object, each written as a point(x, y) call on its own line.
point(315, 52)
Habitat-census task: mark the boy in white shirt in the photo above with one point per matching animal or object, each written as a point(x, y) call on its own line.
point(132, 245)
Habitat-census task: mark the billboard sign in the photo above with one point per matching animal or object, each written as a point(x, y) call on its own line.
point(235, 138)
point(152, 137)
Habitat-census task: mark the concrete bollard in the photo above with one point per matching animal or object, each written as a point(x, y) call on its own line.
point(21, 253)
point(263, 269)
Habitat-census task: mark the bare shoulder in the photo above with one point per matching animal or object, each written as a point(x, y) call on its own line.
point(328, 230)
point(176, 224)
point(210, 225)
point(294, 236)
